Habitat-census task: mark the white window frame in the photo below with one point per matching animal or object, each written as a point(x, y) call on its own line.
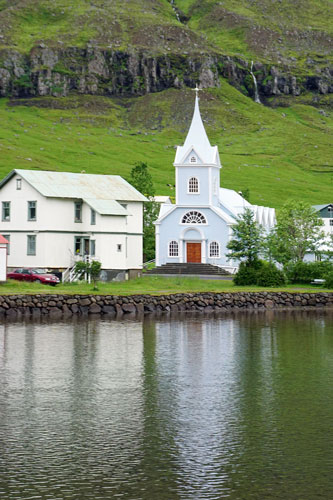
point(31, 238)
point(5, 205)
point(193, 223)
point(189, 185)
point(216, 244)
point(29, 210)
point(172, 246)
point(78, 204)
point(19, 184)
point(92, 217)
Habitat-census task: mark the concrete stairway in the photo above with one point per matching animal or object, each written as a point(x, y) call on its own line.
point(189, 268)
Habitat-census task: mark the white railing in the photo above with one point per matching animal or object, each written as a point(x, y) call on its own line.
point(70, 274)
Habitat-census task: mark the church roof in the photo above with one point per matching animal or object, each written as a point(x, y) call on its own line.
point(235, 204)
point(197, 141)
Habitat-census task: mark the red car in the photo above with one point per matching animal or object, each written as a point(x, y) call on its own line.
point(39, 275)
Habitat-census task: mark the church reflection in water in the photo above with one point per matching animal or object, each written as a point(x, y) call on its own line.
point(181, 407)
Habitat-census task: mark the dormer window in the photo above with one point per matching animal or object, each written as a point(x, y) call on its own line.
point(193, 159)
point(193, 185)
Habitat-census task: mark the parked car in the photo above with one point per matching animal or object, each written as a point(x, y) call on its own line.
point(39, 275)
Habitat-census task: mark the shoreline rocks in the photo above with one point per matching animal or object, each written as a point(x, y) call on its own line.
point(59, 306)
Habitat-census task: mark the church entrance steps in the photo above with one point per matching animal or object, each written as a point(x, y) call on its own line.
point(193, 269)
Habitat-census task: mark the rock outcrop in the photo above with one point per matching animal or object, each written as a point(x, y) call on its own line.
point(57, 72)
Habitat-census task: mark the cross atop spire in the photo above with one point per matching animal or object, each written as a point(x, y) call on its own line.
point(197, 90)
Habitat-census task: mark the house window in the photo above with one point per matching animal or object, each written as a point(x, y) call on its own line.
point(119, 247)
point(193, 185)
point(32, 210)
point(77, 245)
point(193, 159)
point(214, 249)
point(92, 217)
point(93, 248)
point(193, 217)
point(78, 211)
point(331, 222)
point(173, 249)
point(6, 211)
point(18, 184)
point(31, 244)
point(7, 236)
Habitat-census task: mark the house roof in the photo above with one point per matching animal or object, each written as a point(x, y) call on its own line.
point(3, 240)
point(101, 192)
point(320, 207)
point(197, 141)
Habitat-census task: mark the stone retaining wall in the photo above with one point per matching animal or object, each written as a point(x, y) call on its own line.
point(16, 306)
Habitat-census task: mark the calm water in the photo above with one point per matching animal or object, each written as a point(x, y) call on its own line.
point(236, 407)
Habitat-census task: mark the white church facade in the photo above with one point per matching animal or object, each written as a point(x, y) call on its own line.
point(198, 227)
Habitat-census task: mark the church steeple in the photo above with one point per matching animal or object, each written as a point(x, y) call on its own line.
point(197, 142)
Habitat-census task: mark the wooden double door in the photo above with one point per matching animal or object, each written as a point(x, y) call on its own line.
point(193, 252)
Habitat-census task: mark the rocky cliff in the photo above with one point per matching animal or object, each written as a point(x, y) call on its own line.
point(57, 72)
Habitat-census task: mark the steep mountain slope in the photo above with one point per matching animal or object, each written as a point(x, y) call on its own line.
point(110, 47)
point(97, 85)
point(275, 153)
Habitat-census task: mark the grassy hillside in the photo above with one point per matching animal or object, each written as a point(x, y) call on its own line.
point(276, 153)
point(292, 32)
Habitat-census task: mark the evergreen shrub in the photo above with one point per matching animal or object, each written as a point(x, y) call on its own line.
point(270, 275)
point(305, 272)
point(248, 273)
point(328, 280)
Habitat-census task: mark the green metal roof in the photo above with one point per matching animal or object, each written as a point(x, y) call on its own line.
point(101, 192)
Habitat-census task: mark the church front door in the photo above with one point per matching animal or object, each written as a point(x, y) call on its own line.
point(193, 252)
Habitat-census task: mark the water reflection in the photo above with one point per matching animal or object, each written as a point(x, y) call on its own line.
point(236, 406)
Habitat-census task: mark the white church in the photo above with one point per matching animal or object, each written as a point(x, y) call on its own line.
point(198, 227)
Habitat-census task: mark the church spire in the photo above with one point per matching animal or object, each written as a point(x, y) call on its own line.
point(197, 136)
point(197, 140)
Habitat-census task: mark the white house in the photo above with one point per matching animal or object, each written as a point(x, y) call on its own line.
point(198, 226)
point(52, 218)
point(326, 214)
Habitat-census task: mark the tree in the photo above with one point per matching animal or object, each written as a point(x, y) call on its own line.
point(247, 241)
point(142, 181)
point(86, 270)
point(296, 233)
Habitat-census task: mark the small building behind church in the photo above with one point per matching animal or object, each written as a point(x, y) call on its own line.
point(198, 227)
point(52, 219)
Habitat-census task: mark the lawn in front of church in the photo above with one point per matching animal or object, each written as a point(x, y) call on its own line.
point(153, 285)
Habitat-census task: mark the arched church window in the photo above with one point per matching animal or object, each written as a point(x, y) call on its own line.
point(214, 249)
point(193, 159)
point(173, 249)
point(193, 185)
point(194, 217)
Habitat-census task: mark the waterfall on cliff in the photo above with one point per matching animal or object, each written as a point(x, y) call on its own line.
point(256, 93)
point(175, 10)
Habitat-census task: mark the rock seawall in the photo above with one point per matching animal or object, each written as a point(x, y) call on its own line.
point(19, 306)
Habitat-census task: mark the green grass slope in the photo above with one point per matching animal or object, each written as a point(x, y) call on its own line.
point(292, 32)
point(276, 153)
